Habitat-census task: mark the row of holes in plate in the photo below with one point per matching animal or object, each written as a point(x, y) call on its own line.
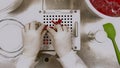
point(47, 19)
point(55, 17)
point(69, 15)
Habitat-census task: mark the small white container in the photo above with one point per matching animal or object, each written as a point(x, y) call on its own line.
point(96, 12)
point(7, 6)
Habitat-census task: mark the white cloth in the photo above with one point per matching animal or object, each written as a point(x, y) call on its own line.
point(72, 60)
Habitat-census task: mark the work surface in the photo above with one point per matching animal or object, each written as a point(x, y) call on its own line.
point(95, 54)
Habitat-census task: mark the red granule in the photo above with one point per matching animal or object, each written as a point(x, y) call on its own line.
point(107, 7)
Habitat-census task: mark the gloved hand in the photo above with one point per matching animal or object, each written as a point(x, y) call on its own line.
point(32, 36)
point(61, 39)
point(62, 43)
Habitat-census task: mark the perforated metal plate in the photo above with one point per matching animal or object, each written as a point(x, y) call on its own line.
point(70, 18)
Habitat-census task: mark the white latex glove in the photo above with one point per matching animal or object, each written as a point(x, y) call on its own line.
point(62, 41)
point(32, 35)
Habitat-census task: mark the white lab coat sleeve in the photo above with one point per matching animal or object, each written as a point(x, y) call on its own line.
point(72, 60)
point(25, 62)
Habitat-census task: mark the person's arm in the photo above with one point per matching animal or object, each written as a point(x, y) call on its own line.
point(25, 62)
point(72, 60)
point(62, 44)
point(32, 34)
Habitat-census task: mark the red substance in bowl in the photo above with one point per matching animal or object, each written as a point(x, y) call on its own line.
point(107, 7)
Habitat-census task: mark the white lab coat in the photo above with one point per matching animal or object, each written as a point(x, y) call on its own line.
point(25, 62)
point(72, 60)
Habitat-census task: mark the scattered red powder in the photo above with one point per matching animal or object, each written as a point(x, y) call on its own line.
point(54, 28)
point(45, 42)
point(45, 28)
point(55, 23)
point(107, 7)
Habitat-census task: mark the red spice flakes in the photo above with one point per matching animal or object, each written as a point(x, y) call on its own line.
point(107, 7)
